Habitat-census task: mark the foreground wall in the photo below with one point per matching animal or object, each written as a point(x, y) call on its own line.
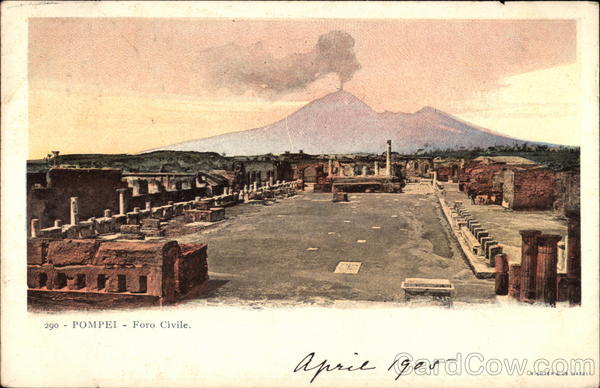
point(112, 273)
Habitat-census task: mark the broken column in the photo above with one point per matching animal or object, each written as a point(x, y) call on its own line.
point(501, 269)
point(574, 258)
point(388, 159)
point(74, 213)
point(148, 205)
point(545, 281)
point(122, 201)
point(514, 280)
point(562, 258)
point(35, 227)
point(528, 264)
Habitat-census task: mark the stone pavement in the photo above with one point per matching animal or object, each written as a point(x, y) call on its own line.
point(288, 251)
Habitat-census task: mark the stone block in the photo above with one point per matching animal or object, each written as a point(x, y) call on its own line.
point(54, 232)
point(119, 219)
point(36, 251)
point(133, 218)
point(151, 223)
point(71, 252)
point(340, 196)
point(152, 232)
point(480, 234)
point(130, 229)
point(493, 251)
point(216, 214)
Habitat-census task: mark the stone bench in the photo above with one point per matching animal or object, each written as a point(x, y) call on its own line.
point(440, 289)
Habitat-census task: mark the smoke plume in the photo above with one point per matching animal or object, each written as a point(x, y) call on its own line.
point(240, 69)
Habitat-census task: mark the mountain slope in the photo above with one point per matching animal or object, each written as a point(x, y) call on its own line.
point(341, 123)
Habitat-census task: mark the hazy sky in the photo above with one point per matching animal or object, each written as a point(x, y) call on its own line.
point(126, 85)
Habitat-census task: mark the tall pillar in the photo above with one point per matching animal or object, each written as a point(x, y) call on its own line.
point(330, 168)
point(388, 159)
point(271, 179)
point(74, 213)
point(545, 282)
point(364, 171)
point(574, 258)
point(501, 269)
point(122, 201)
point(528, 264)
point(35, 227)
point(376, 168)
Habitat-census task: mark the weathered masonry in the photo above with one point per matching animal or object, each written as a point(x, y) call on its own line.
point(90, 273)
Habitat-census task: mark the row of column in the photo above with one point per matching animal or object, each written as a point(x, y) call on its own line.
point(535, 279)
point(388, 164)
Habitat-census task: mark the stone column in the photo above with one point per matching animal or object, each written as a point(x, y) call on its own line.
point(528, 264)
point(270, 179)
point(501, 267)
point(149, 205)
point(107, 213)
point(255, 186)
point(376, 168)
point(388, 159)
point(364, 171)
point(545, 282)
point(330, 168)
point(122, 201)
point(514, 280)
point(74, 213)
point(35, 227)
point(562, 258)
point(574, 259)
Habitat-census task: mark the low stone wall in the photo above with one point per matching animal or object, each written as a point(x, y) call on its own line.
point(144, 220)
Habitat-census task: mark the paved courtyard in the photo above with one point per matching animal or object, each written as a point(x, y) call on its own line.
point(288, 251)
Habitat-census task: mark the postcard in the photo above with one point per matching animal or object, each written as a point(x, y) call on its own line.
point(215, 194)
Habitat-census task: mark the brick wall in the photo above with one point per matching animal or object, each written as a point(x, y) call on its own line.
point(529, 189)
point(114, 267)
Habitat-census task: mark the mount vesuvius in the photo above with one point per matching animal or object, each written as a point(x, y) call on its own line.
point(340, 123)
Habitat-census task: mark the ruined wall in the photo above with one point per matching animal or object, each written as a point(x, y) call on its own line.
point(113, 268)
point(482, 179)
point(567, 189)
point(529, 189)
point(95, 188)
